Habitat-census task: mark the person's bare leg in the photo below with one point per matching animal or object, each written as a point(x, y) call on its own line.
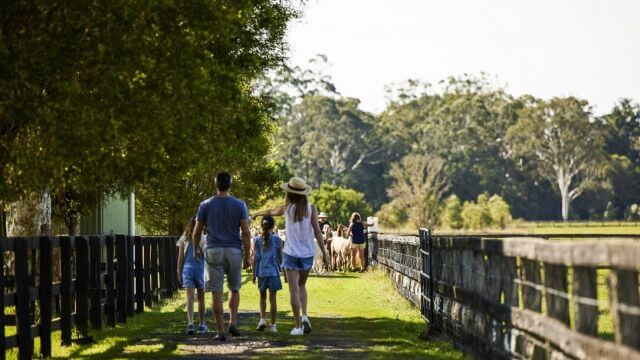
point(217, 311)
point(263, 304)
point(361, 255)
point(274, 307)
point(293, 277)
point(302, 291)
point(190, 299)
point(353, 259)
point(201, 306)
point(234, 302)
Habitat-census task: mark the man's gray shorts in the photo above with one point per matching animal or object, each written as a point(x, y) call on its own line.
point(221, 261)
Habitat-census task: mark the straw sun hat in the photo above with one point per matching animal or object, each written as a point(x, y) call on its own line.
point(296, 185)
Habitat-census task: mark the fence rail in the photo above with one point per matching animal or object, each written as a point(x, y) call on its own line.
point(79, 281)
point(579, 223)
point(521, 297)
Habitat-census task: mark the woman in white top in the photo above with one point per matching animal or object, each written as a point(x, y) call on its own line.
point(302, 229)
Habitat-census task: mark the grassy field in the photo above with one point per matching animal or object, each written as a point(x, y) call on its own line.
point(537, 228)
point(353, 315)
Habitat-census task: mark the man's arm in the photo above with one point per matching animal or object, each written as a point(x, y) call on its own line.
point(246, 241)
point(197, 234)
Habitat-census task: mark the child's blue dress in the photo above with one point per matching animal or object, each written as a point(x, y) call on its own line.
point(193, 269)
point(266, 262)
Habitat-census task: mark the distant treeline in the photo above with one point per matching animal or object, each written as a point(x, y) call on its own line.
point(548, 159)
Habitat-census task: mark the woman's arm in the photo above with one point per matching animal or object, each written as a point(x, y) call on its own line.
point(318, 235)
point(180, 260)
point(349, 231)
point(279, 211)
point(279, 253)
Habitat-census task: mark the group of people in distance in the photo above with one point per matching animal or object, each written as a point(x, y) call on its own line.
point(354, 232)
point(203, 262)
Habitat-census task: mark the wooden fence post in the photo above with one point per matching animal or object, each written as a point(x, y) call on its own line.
point(585, 312)
point(130, 277)
point(23, 316)
point(174, 263)
point(161, 267)
point(95, 258)
point(532, 298)
point(122, 277)
point(154, 268)
point(2, 322)
point(44, 292)
point(82, 285)
point(110, 306)
point(494, 330)
point(624, 293)
point(531, 295)
point(65, 290)
point(169, 269)
point(148, 296)
point(139, 274)
point(555, 278)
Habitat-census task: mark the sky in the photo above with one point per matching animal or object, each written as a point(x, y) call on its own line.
point(584, 48)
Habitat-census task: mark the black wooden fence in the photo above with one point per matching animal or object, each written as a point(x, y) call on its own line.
point(521, 297)
point(81, 282)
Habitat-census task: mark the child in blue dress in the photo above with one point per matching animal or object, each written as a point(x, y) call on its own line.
point(267, 257)
point(191, 272)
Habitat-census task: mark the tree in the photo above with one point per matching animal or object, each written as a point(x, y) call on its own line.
point(339, 203)
point(419, 184)
point(499, 210)
point(563, 142)
point(106, 97)
point(326, 140)
point(465, 124)
point(452, 213)
point(622, 144)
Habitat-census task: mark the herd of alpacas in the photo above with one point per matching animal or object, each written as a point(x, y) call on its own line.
point(338, 245)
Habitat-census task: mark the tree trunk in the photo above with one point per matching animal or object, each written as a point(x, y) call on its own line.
point(71, 223)
point(44, 216)
point(3, 220)
point(564, 193)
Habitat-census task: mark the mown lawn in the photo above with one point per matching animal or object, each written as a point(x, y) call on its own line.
point(353, 315)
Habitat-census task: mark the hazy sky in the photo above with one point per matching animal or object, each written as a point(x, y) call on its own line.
point(585, 48)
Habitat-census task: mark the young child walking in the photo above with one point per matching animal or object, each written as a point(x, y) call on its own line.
point(267, 257)
point(191, 272)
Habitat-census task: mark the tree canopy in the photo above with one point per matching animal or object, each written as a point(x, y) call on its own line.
point(100, 97)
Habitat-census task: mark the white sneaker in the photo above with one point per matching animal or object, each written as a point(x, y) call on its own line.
point(297, 331)
point(262, 324)
point(306, 324)
point(273, 328)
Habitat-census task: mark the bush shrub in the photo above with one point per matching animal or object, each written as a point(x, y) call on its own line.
point(451, 217)
point(487, 212)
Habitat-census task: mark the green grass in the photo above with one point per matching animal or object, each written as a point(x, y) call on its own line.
point(613, 230)
point(353, 315)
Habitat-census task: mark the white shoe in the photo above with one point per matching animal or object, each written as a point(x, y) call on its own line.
point(297, 331)
point(262, 324)
point(306, 324)
point(273, 328)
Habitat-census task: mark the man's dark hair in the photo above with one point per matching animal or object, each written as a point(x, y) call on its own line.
point(223, 181)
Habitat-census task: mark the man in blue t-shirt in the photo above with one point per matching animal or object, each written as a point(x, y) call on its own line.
point(225, 218)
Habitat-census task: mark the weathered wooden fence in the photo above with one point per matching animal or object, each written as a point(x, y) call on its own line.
point(97, 281)
point(521, 297)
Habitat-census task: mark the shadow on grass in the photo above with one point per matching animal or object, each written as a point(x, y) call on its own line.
point(160, 335)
